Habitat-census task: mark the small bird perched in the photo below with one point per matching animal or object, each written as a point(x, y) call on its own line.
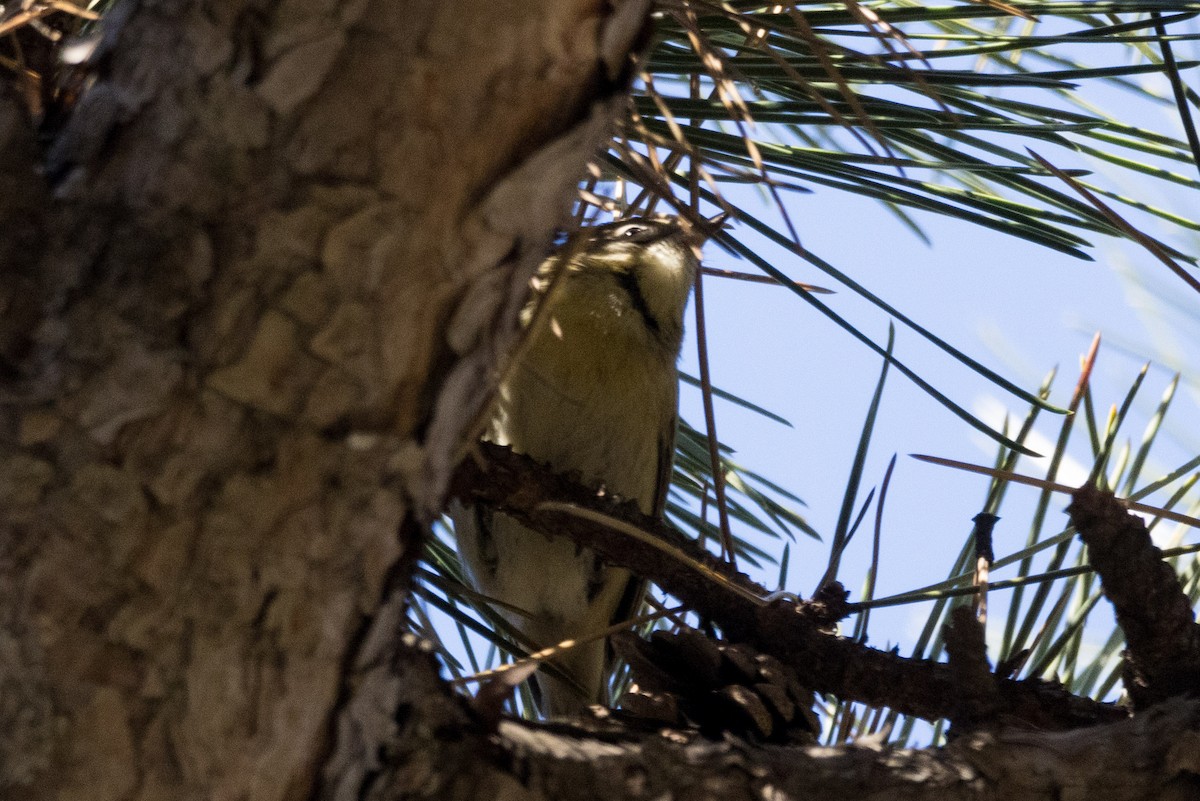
point(593, 389)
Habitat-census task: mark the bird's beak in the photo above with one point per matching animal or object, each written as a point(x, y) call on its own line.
point(716, 221)
point(699, 233)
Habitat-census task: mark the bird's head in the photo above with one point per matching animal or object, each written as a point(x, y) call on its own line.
point(652, 259)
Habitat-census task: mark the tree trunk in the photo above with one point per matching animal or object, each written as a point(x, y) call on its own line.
point(281, 262)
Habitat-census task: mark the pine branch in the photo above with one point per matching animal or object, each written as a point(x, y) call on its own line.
point(795, 632)
point(1163, 658)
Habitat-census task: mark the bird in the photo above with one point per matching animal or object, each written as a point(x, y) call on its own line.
point(592, 392)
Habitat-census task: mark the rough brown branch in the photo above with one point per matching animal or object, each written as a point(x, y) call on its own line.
point(438, 751)
point(793, 632)
point(1163, 656)
point(966, 650)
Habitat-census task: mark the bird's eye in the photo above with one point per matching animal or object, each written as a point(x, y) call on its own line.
point(631, 231)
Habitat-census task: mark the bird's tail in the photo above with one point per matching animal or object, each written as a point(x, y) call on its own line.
point(581, 683)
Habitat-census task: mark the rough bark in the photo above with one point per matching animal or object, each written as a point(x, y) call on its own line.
point(798, 633)
point(442, 752)
point(1163, 655)
point(284, 254)
point(23, 201)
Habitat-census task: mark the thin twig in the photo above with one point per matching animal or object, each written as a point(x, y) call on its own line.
point(710, 417)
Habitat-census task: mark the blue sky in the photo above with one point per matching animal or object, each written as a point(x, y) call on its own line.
point(1018, 307)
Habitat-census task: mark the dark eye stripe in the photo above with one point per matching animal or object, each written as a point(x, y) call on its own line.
point(629, 282)
point(639, 231)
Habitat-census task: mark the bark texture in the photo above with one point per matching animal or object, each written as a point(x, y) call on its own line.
point(799, 633)
point(284, 253)
point(1163, 654)
point(442, 752)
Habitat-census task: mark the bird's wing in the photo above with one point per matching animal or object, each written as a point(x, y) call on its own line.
point(635, 589)
point(666, 465)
